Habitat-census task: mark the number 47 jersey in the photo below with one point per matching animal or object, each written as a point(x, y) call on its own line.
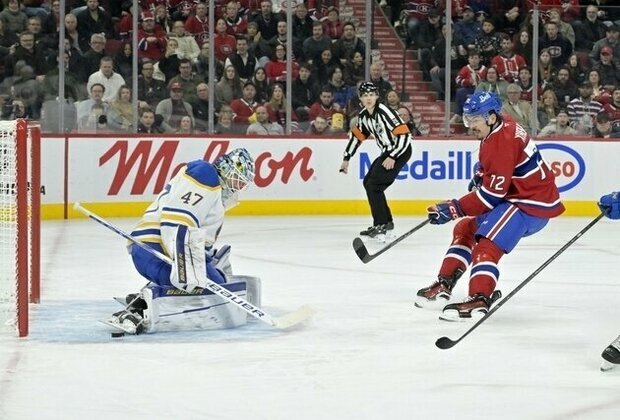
point(192, 198)
point(514, 171)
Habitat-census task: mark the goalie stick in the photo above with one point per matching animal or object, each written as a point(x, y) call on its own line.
point(282, 322)
point(362, 252)
point(447, 343)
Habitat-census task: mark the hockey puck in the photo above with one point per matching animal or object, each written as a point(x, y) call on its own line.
point(117, 334)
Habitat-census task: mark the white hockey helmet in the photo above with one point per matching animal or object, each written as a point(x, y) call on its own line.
point(236, 170)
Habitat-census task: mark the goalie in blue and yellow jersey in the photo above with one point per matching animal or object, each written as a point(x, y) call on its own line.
point(183, 223)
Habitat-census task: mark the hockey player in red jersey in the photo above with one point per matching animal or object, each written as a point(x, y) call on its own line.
point(513, 195)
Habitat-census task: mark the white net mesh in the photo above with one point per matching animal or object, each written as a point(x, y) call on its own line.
point(8, 225)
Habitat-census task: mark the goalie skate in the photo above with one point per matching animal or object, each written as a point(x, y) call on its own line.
point(611, 356)
point(126, 321)
point(472, 308)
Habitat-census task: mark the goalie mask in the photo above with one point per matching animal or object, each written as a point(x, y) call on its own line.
point(236, 170)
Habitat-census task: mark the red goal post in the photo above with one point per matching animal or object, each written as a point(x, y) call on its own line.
point(20, 218)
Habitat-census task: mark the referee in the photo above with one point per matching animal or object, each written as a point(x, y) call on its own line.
point(394, 139)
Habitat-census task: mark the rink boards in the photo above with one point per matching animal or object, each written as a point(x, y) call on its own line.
point(119, 176)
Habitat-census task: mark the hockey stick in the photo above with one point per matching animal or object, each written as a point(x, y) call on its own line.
point(362, 252)
point(281, 322)
point(446, 343)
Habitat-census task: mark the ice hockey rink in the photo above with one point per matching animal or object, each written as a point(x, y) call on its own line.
point(367, 354)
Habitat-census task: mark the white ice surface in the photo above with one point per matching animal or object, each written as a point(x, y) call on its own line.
point(367, 354)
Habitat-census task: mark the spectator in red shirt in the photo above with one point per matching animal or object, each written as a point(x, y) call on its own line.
point(198, 24)
point(244, 108)
point(276, 67)
point(327, 109)
point(235, 23)
point(332, 26)
point(151, 41)
point(224, 44)
point(507, 62)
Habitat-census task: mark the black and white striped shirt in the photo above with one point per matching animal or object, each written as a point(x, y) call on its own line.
point(385, 125)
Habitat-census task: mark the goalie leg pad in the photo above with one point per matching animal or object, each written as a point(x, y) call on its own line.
point(171, 309)
point(189, 267)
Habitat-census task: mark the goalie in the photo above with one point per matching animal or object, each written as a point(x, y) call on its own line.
point(183, 223)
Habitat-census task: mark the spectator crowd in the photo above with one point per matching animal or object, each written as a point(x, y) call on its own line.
point(578, 65)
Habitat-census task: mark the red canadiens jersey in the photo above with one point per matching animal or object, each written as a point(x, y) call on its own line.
point(514, 171)
point(614, 115)
point(508, 67)
point(419, 8)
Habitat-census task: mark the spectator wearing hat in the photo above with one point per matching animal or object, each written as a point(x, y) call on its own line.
point(174, 108)
point(468, 28)
point(94, 20)
point(244, 108)
point(518, 109)
point(607, 68)
point(589, 30)
point(151, 40)
point(558, 46)
point(559, 127)
point(582, 110)
point(611, 40)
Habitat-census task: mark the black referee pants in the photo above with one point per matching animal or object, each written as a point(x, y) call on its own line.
point(377, 180)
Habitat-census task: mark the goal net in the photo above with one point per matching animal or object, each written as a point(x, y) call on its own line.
point(20, 187)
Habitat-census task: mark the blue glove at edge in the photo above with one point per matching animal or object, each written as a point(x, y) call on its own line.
point(445, 212)
point(610, 205)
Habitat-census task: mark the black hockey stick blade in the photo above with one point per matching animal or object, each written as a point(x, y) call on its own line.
point(362, 252)
point(445, 343)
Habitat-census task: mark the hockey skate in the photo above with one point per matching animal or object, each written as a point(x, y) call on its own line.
point(378, 232)
point(473, 307)
point(438, 292)
point(611, 356)
point(126, 321)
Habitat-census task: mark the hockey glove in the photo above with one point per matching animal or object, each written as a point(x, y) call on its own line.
point(445, 212)
point(610, 205)
point(476, 181)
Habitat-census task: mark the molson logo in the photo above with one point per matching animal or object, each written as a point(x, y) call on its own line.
point(142, 162)
point(566, 164)
point(457, 165)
